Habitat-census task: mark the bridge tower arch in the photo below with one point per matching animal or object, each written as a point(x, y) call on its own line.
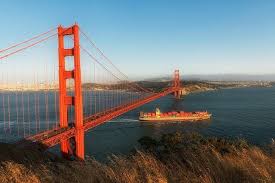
point(66, 100)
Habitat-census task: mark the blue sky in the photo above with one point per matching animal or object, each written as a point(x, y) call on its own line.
point(152, 37)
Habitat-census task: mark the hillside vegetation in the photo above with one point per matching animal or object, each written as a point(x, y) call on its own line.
point(172, 158)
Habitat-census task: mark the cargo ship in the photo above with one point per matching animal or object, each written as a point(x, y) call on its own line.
point(174, 116)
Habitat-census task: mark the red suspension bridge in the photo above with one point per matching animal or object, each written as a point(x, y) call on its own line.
point(54, 101)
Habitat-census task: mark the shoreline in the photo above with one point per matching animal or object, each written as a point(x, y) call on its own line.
point(197, 86)
point(188, 86)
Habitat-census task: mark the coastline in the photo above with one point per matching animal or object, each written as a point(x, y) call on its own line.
point(198, 86)
point(188, 86)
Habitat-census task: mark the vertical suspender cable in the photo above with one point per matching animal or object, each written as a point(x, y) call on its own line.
point(9, 112)
point(22, 105)
point(16, 108)
point(4, 112)
point(29, 118)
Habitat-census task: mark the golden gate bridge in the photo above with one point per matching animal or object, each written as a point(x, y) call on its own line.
point(55, 99)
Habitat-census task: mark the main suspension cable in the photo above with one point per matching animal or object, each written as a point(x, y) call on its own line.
point(28, 46)
point(106, 58)
point(103, 66)
point(28, 40)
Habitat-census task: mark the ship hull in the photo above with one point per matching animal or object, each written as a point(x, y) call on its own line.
point(180, 118)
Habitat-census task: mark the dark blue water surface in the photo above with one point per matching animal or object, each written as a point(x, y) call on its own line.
point(247, 113)
point(239, 113)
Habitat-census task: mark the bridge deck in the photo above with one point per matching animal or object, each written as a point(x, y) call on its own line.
point(52, 137)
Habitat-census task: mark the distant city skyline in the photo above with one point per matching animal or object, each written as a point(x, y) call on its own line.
point(152, 38)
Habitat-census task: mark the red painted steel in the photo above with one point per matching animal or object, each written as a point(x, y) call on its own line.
point(54, 137)
point(177, 93)
point(65, 133)
point(76, 100)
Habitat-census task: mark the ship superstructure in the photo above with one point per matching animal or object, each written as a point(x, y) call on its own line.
point(174, 116)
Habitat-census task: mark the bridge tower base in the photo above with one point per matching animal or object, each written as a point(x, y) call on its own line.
point(65, 100)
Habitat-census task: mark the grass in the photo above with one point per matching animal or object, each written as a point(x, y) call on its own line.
point(172, 158)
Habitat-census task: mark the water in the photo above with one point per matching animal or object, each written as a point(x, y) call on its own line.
point(239, 113)
point(26, 113)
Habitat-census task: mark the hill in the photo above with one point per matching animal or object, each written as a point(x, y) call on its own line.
point(172, 158)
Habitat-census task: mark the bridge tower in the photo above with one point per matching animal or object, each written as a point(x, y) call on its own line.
point(176, 83)
point(66, 100)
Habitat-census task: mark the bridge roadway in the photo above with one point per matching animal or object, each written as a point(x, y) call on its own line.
point(52, 137)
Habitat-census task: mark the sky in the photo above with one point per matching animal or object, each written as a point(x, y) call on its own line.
point(154, 37)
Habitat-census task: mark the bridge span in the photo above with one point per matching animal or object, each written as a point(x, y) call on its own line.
point(61, 109)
